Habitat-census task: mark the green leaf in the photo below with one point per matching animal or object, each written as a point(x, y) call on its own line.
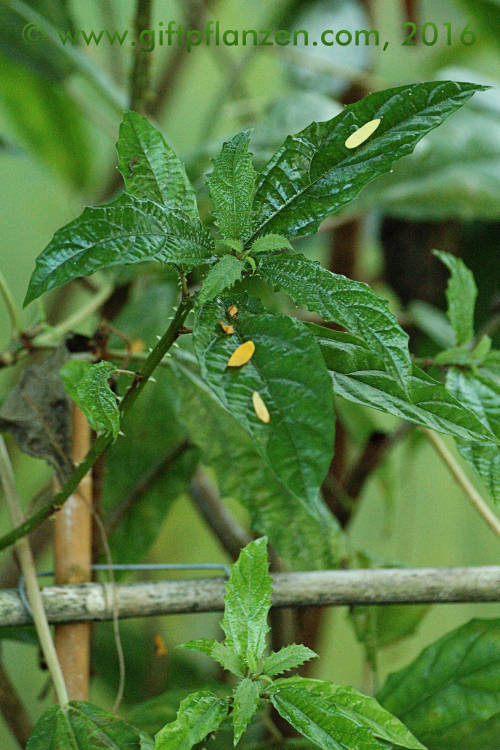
point(288, 657)
point(151, 169)
point(199, 714)
point(480, 392)
point(246, 701)
point(453, 174)
point(461, 294)
point(220, 652)
point(288, 372)
point(313, 174)
point(305, 535)
point(359, 375)
point(203, 645)
point(247, 603)
point(269, 242)
point(338, 717)
point(86, 727)
point(352, 304)
point(129, 230)
point(449, 696)
point(226, 272)
point(232, 187)
point(87, 384)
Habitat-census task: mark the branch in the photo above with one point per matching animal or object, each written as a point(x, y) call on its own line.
point(29, 572)
point(317, 588)
point(104, 441)
point(460, 477)
point(230, 534)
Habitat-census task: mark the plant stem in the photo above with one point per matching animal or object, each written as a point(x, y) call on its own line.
point(11, 306)
point(140, 84)
point(29, 572)
point(103, 441)
point(460, 477)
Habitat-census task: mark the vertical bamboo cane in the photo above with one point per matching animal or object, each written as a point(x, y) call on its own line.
point(72, 560)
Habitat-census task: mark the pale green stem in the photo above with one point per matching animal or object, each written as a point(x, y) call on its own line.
point(73, 55)
point(460, 477)
point(11, 306)
point(29, 572)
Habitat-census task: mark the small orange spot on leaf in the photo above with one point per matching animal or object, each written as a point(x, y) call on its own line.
point(226, 328)
point(232, 311)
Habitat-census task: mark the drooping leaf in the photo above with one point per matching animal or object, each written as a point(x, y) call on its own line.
point(151, 169)
point(336, 298)
point(199, 714)
point(46, 60)
point(37, 412)
point(247, 603)
point(287, 371)
point(226, 272)
point(232, 187)
point(461, 294)
point(220, 652)
point(359, 375)
point(246, 701)
point(85, 727)
point(269, 242)
point(480, 393)
point(129, 230)
point(87, 384)
point(337, 717)
point(449, 696)
point(288, 657)
point(42, 116)
point(305, 535)
point(313, 174)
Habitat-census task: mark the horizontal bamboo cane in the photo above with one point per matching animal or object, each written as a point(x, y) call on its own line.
point(93, 601)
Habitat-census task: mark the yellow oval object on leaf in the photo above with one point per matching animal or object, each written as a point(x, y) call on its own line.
point(260, 407)
point(226, 328)
point(232, 311)
point(242, 354)
point(362, 134)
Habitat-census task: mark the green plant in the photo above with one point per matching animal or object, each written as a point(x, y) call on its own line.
point(254, 390)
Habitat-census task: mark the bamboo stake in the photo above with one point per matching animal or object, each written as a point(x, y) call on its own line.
point(320, 588)
point(72, 560)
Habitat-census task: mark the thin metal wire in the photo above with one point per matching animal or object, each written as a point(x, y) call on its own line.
point(125, 566)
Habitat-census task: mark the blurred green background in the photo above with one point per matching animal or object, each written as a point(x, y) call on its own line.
point(58, 131)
